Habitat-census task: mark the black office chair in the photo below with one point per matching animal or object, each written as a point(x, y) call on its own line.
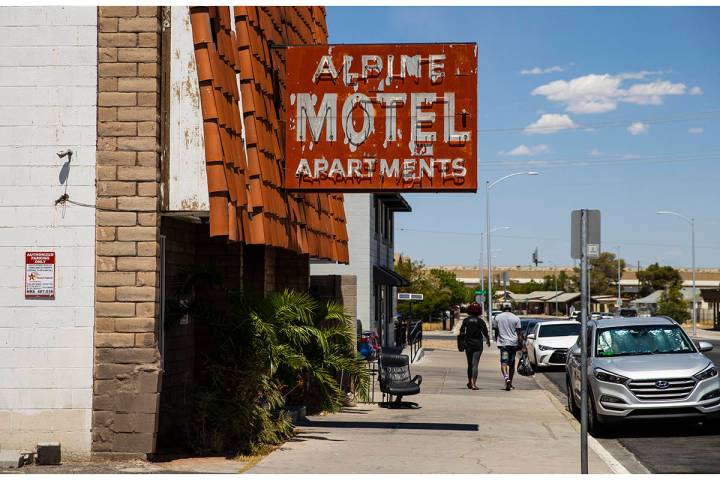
point(395, 381)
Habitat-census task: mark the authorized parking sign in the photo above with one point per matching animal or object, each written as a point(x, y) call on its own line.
point(40, 275)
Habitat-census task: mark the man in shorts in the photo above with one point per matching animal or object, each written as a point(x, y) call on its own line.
point(508, 336)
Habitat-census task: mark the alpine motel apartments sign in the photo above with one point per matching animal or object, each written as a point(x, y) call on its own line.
point(381, 117)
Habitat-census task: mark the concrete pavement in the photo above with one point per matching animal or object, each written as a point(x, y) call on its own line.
point(456, 430)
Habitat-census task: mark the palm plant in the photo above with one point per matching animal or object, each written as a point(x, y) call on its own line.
point(283, 349)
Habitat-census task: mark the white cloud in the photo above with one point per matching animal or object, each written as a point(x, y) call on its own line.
point(637, 128)
point(696, 91)
point(551, 123)
point(602, 93)
point(695, 130)
point(523, 151)
point(595, 152)
point(540, 71)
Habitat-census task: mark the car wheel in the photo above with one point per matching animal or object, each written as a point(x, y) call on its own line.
point(595, 426)
point(571, 405)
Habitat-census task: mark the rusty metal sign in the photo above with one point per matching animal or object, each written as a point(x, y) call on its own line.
point(381, 118)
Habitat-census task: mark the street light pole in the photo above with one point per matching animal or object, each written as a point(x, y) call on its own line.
point(482, 262)
point(691, 221)
point(489, 186)
point(619, 299)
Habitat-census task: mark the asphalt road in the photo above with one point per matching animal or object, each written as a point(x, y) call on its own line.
point(667, 447)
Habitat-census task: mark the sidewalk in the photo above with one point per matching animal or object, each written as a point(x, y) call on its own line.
point(455, 431)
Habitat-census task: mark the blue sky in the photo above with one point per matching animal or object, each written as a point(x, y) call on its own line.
point(628, 106)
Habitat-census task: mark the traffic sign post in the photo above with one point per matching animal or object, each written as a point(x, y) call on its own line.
point(585, 243)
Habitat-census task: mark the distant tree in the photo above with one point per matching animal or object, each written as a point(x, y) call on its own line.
point(674, 305)
point(656, 277)
point(441, 289)
point(603, 274)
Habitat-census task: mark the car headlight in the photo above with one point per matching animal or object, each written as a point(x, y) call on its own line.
point(605, 376)
point(709, 372)
point(543, 347)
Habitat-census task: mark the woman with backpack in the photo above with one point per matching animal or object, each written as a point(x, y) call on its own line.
point(472, 333)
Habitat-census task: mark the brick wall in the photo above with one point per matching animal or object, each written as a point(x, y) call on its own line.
point(126, 379)
point(48, 67)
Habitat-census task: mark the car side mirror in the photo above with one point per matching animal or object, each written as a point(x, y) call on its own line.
point(575, 351)
point(704, 346)
point(531, 336)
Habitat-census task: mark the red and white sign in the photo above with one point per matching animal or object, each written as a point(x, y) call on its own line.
point(40, 275)
point(381, 117)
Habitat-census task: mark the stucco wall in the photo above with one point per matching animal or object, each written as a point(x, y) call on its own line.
point(48, 77)
point(360, 225)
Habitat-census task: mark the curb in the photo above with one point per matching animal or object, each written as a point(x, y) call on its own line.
point(613, 463)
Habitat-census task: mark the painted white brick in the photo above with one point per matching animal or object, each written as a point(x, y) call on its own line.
point(47, 175)
point(48, 76)
point(25, 156)
point(64, 136)
point(44, 56)
point(19, 357)
point(28, 378)
point(39, 36)
point(51, 95)
point(48, 237)
point(24, 195)
point(82, 398)
point(71, 357)
point(49, 16)
point(48, 97)
point(43, 398)
point(49, 115)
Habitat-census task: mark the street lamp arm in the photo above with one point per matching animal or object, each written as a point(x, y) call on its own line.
point(668, 212)
point(490, 185)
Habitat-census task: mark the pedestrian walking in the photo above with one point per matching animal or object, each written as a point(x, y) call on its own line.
point(509, 339)
point(472, 332)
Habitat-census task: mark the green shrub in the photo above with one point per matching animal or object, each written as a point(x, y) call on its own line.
point(283, 349)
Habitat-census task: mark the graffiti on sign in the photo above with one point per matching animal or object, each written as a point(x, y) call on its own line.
point(381, 117)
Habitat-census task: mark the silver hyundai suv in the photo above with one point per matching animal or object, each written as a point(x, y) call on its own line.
point(642, 368)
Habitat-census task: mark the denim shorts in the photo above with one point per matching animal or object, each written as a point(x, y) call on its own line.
point(507, 355)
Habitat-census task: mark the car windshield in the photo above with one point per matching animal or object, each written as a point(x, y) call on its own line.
point(641, 340)
point(560, 330)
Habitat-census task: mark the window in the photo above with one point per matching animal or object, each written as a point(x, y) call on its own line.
point(641, 340)
point(560, 330)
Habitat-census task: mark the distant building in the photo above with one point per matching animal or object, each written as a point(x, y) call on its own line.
point(371, 230)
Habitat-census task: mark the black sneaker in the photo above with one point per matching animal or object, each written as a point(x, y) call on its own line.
point(508, 385)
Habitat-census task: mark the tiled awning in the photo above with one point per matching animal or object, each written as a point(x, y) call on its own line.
point(242, 81)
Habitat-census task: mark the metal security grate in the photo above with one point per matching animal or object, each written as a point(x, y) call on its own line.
point(662, 389)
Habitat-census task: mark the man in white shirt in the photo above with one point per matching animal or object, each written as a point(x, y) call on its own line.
point(508, 336)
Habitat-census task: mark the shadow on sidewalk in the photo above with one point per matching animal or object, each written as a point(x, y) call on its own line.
point(464, 427)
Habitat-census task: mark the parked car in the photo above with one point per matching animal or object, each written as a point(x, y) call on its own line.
point(548, 342)
point(642, 368)
point(528, 323)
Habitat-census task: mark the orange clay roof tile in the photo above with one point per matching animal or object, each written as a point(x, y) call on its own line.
point(244, 178)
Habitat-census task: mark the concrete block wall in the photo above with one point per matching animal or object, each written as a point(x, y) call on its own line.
point(127, 360)
point(48, 77)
